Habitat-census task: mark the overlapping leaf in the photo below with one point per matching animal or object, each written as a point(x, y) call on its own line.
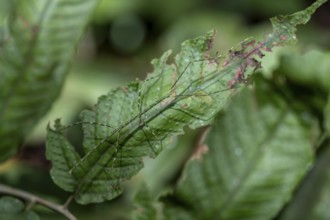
point(312, 68)
point(14, 209)
point(312, 199)
point(130, 123)
point(255, 154)
point(37, 41)
point(146, 206)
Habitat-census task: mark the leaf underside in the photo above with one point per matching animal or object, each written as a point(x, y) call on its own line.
point(138, 120)
point(37, 42)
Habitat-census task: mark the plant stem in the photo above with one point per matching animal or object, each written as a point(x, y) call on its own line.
point(37, 200)
point(68, 201)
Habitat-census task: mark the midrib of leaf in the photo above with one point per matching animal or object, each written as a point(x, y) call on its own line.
point(104, 149)
point(100, 156)
point(230, 197)
point(103, 152)
point(210, 79)
point(28, 59)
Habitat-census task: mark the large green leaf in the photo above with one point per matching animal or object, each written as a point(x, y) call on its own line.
point(37, 42)
point(136, 121)
point(252, 160)
point(130, 123)
point(13, 209)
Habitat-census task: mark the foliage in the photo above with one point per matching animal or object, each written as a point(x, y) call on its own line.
point(316, 189)
point(37, 42)
point(298, 68)
point(257, 151)
point(133, 122)
point(13, 209)
point(221, 183)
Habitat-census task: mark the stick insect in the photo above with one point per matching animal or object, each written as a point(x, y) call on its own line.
point(155, 103)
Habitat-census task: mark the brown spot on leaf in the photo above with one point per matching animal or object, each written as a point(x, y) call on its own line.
point(201, 148)
point(200, 151)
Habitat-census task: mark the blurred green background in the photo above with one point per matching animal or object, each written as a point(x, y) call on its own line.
point(122, 39)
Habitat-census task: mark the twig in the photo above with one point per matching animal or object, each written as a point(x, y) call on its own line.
point(68, 201)
point(36, 200)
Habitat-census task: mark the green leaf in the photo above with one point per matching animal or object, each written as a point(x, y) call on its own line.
point(253, 158)
point(137, 121)
point(321, 208)
point(311, 68)
point(65, 157)
point(285, 26)
point(5, 8)
point(327, 116)
point(146, 205)
point(13, 209)
point(311, 201)
point(37, 42)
